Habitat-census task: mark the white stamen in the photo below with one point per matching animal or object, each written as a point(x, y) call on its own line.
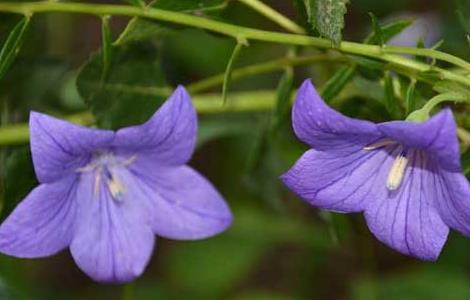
point(380, 144)
point(397, 172)
point(116, 188)
point(97, 183)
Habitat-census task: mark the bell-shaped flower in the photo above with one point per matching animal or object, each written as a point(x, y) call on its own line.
point(105, 194)
point(405, 177)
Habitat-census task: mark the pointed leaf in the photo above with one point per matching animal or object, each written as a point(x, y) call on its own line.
point(410, 99)
point(337, 82)
point(387, 31)
point(228, 70)
point(390, 100)
point(306, 9)
point(330, 19)
point(12, 45)
point(284, 95)
point(106, 46)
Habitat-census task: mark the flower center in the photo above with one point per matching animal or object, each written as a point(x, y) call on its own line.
point(397, 171)
point(105, 166)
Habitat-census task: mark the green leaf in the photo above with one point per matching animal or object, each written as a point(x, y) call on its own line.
point(12, 45)
point(106, 48)
point(466, 163)
point(463, 14)
point(284, 96)
point(214, 127)
point(306, 9)
point(410, 97)
point(139, 29)
point(330, 19)
point(378, 36)
point(390, 100)
point(228, 70)
point(383, 34)
point(19, 178)
point(133, 91)
point(337, 82)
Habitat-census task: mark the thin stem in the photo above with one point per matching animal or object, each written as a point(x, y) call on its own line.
point(205, 104)
point(262, 68)
point(274, 16)
point(240, 32)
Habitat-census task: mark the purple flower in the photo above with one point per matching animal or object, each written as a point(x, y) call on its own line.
point(405, 177)
point(106, 194)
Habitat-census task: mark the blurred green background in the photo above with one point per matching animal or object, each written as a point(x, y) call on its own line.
point(278, 247)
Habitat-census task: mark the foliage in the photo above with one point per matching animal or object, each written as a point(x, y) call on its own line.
point(126, 65)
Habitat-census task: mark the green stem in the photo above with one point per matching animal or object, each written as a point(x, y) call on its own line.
point(240, 32)
point(205, 104)
point(274, 16)
point(424, 113)
point(464, 136)
point(262, 68)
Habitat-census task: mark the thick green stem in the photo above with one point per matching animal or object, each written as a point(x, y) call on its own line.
point(383, 53)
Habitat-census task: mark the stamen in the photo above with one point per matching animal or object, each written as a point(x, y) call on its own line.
point(380, 144)
point(116, 188)
point(397, 172)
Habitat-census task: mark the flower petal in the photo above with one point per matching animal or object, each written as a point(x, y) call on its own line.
point(113, 241)
point(169, 136)
point(322, 127)
point(43, 223)
point(406, 219)
point(437, 136)
point(340, 181)
point(452, 198)
point(59, 147)
point(184, 205)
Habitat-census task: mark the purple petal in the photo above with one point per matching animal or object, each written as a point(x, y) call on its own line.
point(406, 219)
point(184, 205)
point(452, 198)
point(322, 127)
point(43, 223)
point(437, 136)
point(339, 181)
point(59, 147)
point(169, 136)
point(113, 241)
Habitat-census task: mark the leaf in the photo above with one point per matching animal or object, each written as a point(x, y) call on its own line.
point(390, 100)
point(383, 34)
point(306, 9)
point(133, 91)
point(12, 45)
point(228, 70)
point(369, 68)
point(139, 29)
point(106, 48)
point(410, 97)
point(19, 178)
point(216, 127)
point(337, 82)
point(330, 19)
point(284, 96)
point(377, 30)
point(463, 14)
